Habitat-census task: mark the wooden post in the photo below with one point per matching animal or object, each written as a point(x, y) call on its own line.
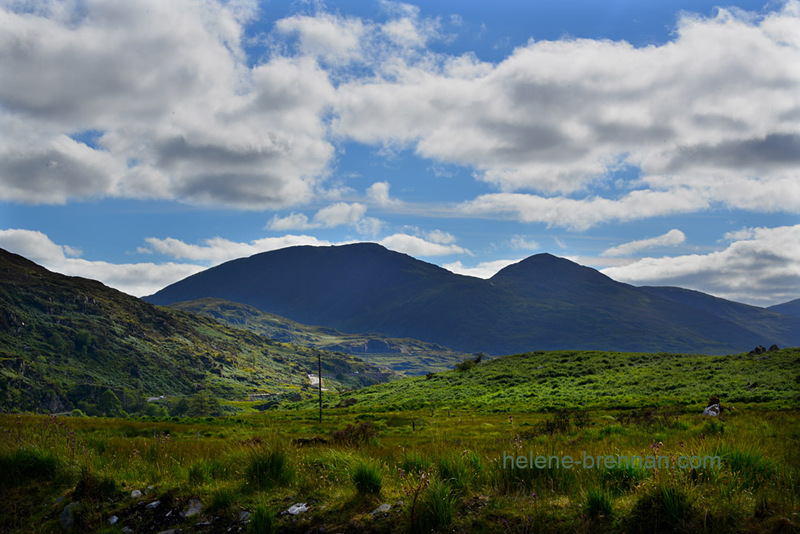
point(319, 377)
point(413, 426)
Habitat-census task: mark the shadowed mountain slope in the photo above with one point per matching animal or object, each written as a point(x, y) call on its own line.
point(541, 303)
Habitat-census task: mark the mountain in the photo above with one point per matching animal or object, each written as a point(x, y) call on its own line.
point(64, 341)
point(405, 356)
point(787, 308)
point(541, 303)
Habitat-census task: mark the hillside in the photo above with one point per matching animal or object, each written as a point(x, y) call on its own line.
point(544, 381)
point(406, 356)
point(64, 341)
point(541, 303)
point(788, 308)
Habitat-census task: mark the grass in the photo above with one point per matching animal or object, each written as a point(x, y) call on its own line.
point(448, 469)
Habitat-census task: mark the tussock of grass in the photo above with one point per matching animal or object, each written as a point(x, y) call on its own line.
point(367, 478)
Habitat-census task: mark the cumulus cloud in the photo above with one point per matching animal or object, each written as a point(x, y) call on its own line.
point(338, 214)
point(710, 119)
point(485, 269)
point(760, 266)
point(379, 194)
point(217, 250)
point(521, 243)
point(329, 37)
point(167, 85)
point(417, 246)
point(671, 238)
point(137, 279)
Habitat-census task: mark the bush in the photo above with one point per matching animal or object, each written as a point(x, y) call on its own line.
point(23, 465)
point(356, 434)
point(466, 365)
point(266, 469)
point(436, 509)
point(262, 521)
point(93, 487)
point(664, 509)
point(367, 478)
point(598, 504)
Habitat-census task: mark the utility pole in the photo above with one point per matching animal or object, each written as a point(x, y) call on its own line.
point(319, 383)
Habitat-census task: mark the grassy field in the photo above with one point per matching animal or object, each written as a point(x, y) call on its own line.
point(453, 469)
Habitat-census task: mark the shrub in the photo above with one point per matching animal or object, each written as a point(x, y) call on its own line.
point(356, 434)
point(262, 521)
point(266, 469)
point(466, 365)
point(663, 509)
point(367, 478)
point(94, 487)
point(25, 464)
point(436, 508)
point(598, 504)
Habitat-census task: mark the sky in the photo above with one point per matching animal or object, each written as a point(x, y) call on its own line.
point(659, 142)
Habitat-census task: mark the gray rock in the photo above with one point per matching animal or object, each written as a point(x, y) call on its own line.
point(135, 494)
point(244, 516)
point(126, 530)
point(195, 506)
point(385, 507)
point(298, 508)
point(113, 520)
point(66, 519)
point(400, 504)
point(712, 411)
point(153, 505)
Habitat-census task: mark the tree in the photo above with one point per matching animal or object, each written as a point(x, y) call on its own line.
point(110, 405)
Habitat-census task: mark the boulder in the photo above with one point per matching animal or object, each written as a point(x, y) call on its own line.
point(712, 411)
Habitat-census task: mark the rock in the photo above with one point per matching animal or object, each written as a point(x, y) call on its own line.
point(712, 411)
point(195, 506)
point(153, 505)
point(244, 516)
point(400, 504)
point(773, 348)
point(298, 508)
point(113, 520)
point(135, 494)
point(149, 490)
point(171, 531)
point(66, 519)
point(385, 507)
point(126, 530)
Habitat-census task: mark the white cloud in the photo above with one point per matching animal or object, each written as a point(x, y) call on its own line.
point(520, 243)
point(710, 119)
point(485, 269)
point(379, 194)
point(338, 214)
point(761, 266)
point(417, 246)
point(180, 115)
point(328, 37)
point(217, 250)
point(438, 236)
point(137, 279)
point(671, 238)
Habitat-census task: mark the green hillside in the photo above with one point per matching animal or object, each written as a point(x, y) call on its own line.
point(65, 341)
point(543, 381)
point(407, 356)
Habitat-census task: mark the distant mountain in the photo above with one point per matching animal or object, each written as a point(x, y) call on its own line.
point(787, 308)
point(406, 356)
point(64, 341)
point(541, 303)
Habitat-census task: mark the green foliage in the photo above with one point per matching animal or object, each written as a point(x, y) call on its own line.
point(262, 521)
point(94, 487)
point(749, 464)
point(662, 509)
point(356, 434)
point(23, 465)
point(598, 504)
point(367, 478)
point(622, 478)
point(436, 508)
point(267, 468)
point(110, 405)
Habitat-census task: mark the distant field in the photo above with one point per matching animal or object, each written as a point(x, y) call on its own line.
point(545, 381)
point(458, 461)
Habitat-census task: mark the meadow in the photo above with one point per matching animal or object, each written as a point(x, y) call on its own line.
point(437, 454)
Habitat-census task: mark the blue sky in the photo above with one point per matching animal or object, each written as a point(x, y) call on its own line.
point(143, 141)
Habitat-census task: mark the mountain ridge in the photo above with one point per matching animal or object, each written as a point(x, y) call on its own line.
point(541, 303)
